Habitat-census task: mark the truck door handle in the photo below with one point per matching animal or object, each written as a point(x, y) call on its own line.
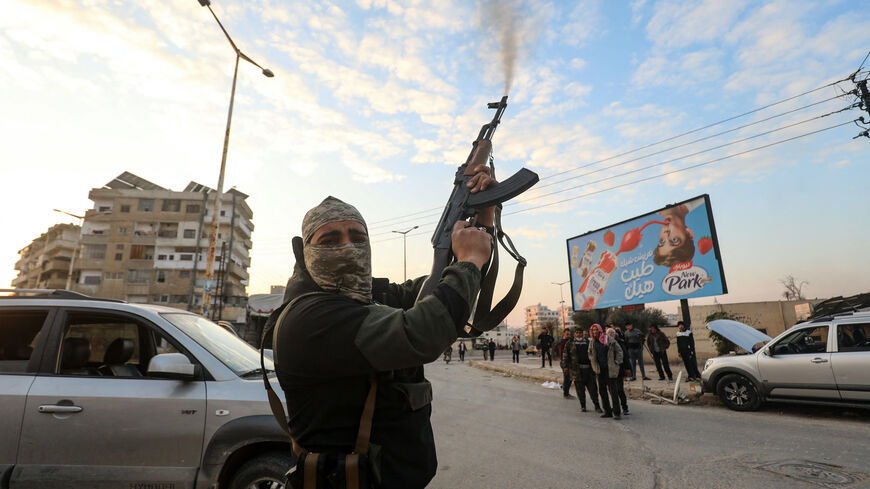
point(54, 408)
point(819, 360)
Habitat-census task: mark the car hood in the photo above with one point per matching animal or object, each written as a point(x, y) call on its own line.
point(740, 334)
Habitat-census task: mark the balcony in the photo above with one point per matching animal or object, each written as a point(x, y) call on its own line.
point(238, 271)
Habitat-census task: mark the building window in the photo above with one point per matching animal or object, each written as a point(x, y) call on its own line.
point(119, 256)
point(138, 276)
point(122, 230)
point(113, 275)
point(161, 257)
point(223, 213)
point(161, 277)
point(171, 205)
point(192, 208)
point(95, 251)
point(91, 280)
point(186, 257)
point(104, 208)
point(171, 257)
point(137, 252)
point(146, 205)
point(184, 274)
point(125, 208)
point(119, 247)
point(190, 233)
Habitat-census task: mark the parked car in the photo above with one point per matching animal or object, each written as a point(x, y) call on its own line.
point(822, 361)
point(98, 394)
point(532, 350)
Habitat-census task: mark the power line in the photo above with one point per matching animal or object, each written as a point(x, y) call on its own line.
point(713, 148)
point(660, 175)
point(539, 187)
point(690, 167)
point(402, 218)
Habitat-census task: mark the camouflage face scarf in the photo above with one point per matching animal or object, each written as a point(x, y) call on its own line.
point(344, 269)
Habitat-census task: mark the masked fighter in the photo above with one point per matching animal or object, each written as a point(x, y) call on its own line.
point(330, 342)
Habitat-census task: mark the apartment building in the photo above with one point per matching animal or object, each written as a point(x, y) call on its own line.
point(45, 262)
point(143, 243)
point(537, 316)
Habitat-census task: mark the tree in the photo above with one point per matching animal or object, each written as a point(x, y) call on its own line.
point(722, 344)
point(793, 288)
point(641, 319)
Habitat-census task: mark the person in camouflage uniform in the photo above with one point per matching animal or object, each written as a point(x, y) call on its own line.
point(575, 362)
point(341, 327)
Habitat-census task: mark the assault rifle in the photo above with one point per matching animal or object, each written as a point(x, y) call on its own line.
point(463, 205)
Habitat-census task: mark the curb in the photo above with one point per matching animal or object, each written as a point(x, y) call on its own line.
point(632, 391)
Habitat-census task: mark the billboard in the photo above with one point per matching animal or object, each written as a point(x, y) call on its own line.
point(668, 254)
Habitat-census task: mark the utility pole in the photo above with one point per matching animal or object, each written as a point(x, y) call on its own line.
point(561, 302)
point(405, 249)
point(72, 260)
point(209, 261)
point(864, 95)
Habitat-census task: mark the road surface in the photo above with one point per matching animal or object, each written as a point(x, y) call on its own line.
point(499, 432)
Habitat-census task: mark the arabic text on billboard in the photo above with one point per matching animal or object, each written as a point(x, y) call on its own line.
point(668, 254)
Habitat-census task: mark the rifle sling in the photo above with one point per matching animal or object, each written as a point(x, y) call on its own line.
point(365, 423)
point(485, 318)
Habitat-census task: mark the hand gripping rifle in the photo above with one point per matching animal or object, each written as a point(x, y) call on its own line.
point(464, 205)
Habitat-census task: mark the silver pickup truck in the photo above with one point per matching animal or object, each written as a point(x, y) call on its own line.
point(105, 394)
point(822, 361)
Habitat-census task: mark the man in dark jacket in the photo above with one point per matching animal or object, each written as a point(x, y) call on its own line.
point(545, 342)
point(491, 346)
point(626, 367)
point(658, 345)
point(369, 328)
point(575, 362)
point(634, 339)
point(686, 350)
point(462, 350)
point(566, 376)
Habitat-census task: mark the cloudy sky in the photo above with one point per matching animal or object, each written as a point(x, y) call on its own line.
point(376, 102)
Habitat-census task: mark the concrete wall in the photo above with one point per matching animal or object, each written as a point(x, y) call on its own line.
point(771, 317)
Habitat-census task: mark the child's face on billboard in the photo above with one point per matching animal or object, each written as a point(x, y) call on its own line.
point(673, 234)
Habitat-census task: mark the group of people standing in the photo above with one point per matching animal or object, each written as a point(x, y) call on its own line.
point(597, 362)
point(658, 343)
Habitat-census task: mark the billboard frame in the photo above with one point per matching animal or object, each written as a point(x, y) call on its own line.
point(713, 235)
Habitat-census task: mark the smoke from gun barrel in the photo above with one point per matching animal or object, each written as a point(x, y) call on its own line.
point(503, 16)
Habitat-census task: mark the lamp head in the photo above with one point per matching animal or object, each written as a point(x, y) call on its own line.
point(266, 71)
point(205, 3)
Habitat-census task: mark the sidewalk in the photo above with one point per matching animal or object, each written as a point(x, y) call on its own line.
point(530, 368)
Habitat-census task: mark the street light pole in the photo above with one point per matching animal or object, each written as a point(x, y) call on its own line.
point(561, 302)
point(72, 260)
point(405, 249)
point(209, 264)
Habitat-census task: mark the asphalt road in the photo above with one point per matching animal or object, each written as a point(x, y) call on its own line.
point(499, 432)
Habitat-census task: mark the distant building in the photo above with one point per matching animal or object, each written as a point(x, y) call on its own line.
point(139, 244)
point(277, 289)
point(45, 262)
point(500, 334)
point(566, 316)
point(538, 315)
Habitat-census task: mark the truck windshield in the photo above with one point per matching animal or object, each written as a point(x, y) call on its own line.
point(231, 350)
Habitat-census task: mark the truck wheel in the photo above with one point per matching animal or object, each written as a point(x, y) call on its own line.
point(738, 393)
point(263, 472)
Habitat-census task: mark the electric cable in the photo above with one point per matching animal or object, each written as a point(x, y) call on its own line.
point(671, 138)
